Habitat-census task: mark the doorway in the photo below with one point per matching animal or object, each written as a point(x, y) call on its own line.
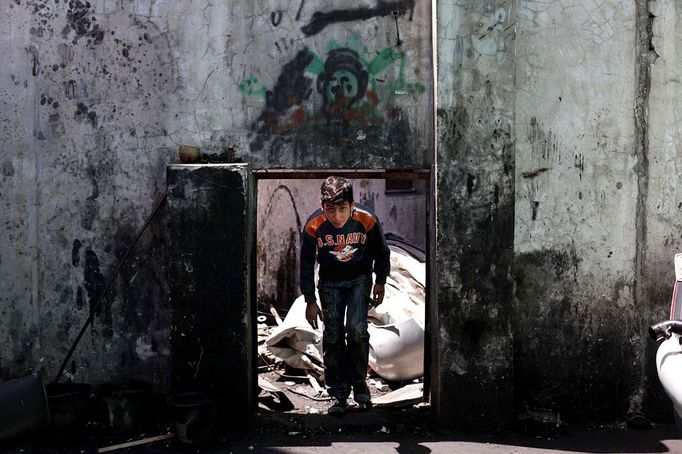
point(284, 200)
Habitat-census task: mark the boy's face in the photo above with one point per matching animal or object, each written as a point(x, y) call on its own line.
point(339, 213)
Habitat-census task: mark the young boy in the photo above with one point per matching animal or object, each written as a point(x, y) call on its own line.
point(349, 243)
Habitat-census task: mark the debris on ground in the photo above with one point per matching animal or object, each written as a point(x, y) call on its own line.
point(143, 441)
point(402, 397)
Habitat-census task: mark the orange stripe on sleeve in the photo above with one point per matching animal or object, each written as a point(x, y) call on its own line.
point(314, 224)
point(364, 218)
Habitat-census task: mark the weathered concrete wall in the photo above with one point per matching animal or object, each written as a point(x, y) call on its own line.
point(95, 99)
point(208, 224)
point(596, 204)
point(325, 89)
point(661, 32)
point(283, 208)
point(576, 331)
point(83, 159)
point(556, 119)
point(475, 215)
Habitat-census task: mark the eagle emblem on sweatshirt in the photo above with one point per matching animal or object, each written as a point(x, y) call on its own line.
point(343, 253)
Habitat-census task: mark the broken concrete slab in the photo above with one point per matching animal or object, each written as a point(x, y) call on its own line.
point(403, 397)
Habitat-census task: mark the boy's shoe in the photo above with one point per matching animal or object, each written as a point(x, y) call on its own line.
point(338, 408)
point(361, 392)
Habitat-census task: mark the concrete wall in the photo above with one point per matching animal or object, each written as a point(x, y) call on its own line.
point(95, 98)
point(211, 325)
point(475, 214)
point(84, 154)
point(575, 230)
point(283, 208)
point(660, 199)
point(558, 138)
point(595, 204)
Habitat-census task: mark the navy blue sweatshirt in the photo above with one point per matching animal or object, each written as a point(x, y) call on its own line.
point(344, 253)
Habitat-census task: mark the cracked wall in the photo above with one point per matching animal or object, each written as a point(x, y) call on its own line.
point(97, 96)
point(577, 186)
point(558, 141)
point(475, 213)
point(662, 237)
point(595, 205)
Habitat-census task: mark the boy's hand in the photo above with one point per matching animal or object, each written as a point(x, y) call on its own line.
point(312, 312)
point(377, 294)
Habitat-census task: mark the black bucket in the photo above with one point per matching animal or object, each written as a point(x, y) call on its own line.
point(127, 405)
point(194, 416)
point(70, 407)
point(23, 409)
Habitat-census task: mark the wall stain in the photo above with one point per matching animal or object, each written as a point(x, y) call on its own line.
point(35, 62)
point(79, 297)
point(368, 199)
point(543, 145)
point(561, 261)
point(84, 113)
point(94, 284)
point(91, 208)
point(81, 20)
point(8, 169)
point(561, 375)
point(75, 253)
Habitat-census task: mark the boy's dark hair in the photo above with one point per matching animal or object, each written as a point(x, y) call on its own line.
point(336, 190)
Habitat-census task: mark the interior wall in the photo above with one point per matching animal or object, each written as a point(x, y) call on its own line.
point(285, 205)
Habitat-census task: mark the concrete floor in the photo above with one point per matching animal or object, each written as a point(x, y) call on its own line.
point(573, 440)
point(375, 432)
point(580, 439)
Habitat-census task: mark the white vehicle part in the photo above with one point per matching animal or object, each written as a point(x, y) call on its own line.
point(669, 368)
point(678, 267)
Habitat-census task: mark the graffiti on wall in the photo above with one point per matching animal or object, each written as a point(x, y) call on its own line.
point(345, 86)
point(338, 93)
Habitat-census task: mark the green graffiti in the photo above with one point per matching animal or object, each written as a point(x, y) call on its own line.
point(353, 83)
point(250, 87)
point(401, 87)
point(332, 44)
point(383, 60)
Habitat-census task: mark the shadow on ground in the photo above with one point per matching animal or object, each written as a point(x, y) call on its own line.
point(386, 430)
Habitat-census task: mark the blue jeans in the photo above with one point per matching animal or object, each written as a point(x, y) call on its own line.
point(346, 347)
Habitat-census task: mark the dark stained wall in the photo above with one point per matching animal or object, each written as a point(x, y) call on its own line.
point(210, 331)
point(475, 215)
